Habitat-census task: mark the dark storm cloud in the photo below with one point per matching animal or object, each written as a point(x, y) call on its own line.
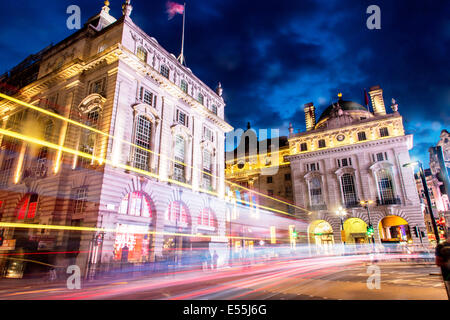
point(274, 56)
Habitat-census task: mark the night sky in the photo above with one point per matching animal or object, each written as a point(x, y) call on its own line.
point(272, 57)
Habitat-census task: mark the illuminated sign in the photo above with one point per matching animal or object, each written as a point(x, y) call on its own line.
point(273, 235)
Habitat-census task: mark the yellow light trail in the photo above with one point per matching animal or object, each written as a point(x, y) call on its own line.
point(100, 160)
point(106, 230)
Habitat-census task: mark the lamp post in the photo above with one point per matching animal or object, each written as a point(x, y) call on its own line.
point(341, 213)
point(427, 196)
point(366, 205)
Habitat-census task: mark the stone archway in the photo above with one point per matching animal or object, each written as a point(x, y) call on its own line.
point(320, 234)
point(355, 231)
point(394, 229)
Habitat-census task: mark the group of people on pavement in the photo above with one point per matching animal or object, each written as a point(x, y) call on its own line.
point(210, 261)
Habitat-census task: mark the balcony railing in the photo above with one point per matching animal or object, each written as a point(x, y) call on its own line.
point(317, 207)
point(352, 204)
point(387, 202)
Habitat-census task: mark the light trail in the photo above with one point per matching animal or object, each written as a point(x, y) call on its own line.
point(52, 114)
point(123, 166)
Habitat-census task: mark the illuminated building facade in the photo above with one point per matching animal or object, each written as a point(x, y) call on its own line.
point(439, 201)
point(350, 155)
point(437, 183)
point(114, 78)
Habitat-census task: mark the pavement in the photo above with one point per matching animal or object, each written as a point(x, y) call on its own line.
point(338, 278)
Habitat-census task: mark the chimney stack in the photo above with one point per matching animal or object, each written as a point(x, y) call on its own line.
point(310, 116)
point(376, 96)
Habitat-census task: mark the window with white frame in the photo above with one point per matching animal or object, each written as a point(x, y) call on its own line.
point(177, 213)
point(80, 200)
point(143, 129)
point(146, 96)
point(142, 54)
point(385, 186)
point(48, 136)
point(345, 162)
point(348, 189)
point(362, 136)
point(200, 98)
point(88, 137)
point(207, 218)
point(312, 167)
point(165, 71)
point(27, 207)
point(182, 118)
point(208, 134)
point(380, 156)
point(207, 169)
point(384, 132)
point(179, 170)
point(184, 86)
point(214, 109)
point(315, 191)
point(97, 86)
point(136, 204)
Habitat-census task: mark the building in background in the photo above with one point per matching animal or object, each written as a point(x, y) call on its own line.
point(348, 156)
point(438, 178)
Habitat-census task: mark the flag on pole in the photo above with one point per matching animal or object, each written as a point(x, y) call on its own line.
point(366, 98)
point(174, 8)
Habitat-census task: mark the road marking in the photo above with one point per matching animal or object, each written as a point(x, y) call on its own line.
point(36, 291)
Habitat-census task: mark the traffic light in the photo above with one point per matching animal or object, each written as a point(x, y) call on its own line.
point(416, 231)
point(1, 237)
point(369, 230)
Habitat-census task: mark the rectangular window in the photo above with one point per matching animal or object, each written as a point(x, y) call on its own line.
point(362, 136)
point(322, 143)
point(165, 71)
point(184, 86)
point(384, 132)
point(146, 96)
point(339, 163)
point(214, 109)
point(182, 118)
point(287, 177)
point(80, 200)
point(312, 166)
point(208, 134)
point(200, 98)
point(303, 147)
point(269, 180)
point(380, 156)
point(344, 162)
point(97, 86)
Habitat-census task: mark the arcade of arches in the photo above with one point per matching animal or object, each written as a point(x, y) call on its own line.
point(392, 229)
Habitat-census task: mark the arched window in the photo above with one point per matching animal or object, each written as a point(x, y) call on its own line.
point(27, 207)
point(142, 139)
point(315, 191)
point(207, 218)
point(179, 167)
point(88, 137)
point(177, 213)
point(141, 53)
point(349, 190)
point(136, 204)
point(184, 86)
point(165, 71)
point(385, 187)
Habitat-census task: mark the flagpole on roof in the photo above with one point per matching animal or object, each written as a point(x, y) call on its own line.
point(181, 56)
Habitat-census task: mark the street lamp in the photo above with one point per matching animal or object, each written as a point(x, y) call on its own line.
point(366, 204)
point(341, 213)
point(427, 195)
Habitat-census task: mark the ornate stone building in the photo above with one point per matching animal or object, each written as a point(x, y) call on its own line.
point(352, 155)
point(118, 149)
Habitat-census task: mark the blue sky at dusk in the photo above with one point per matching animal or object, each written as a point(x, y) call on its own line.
point(272, 57)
